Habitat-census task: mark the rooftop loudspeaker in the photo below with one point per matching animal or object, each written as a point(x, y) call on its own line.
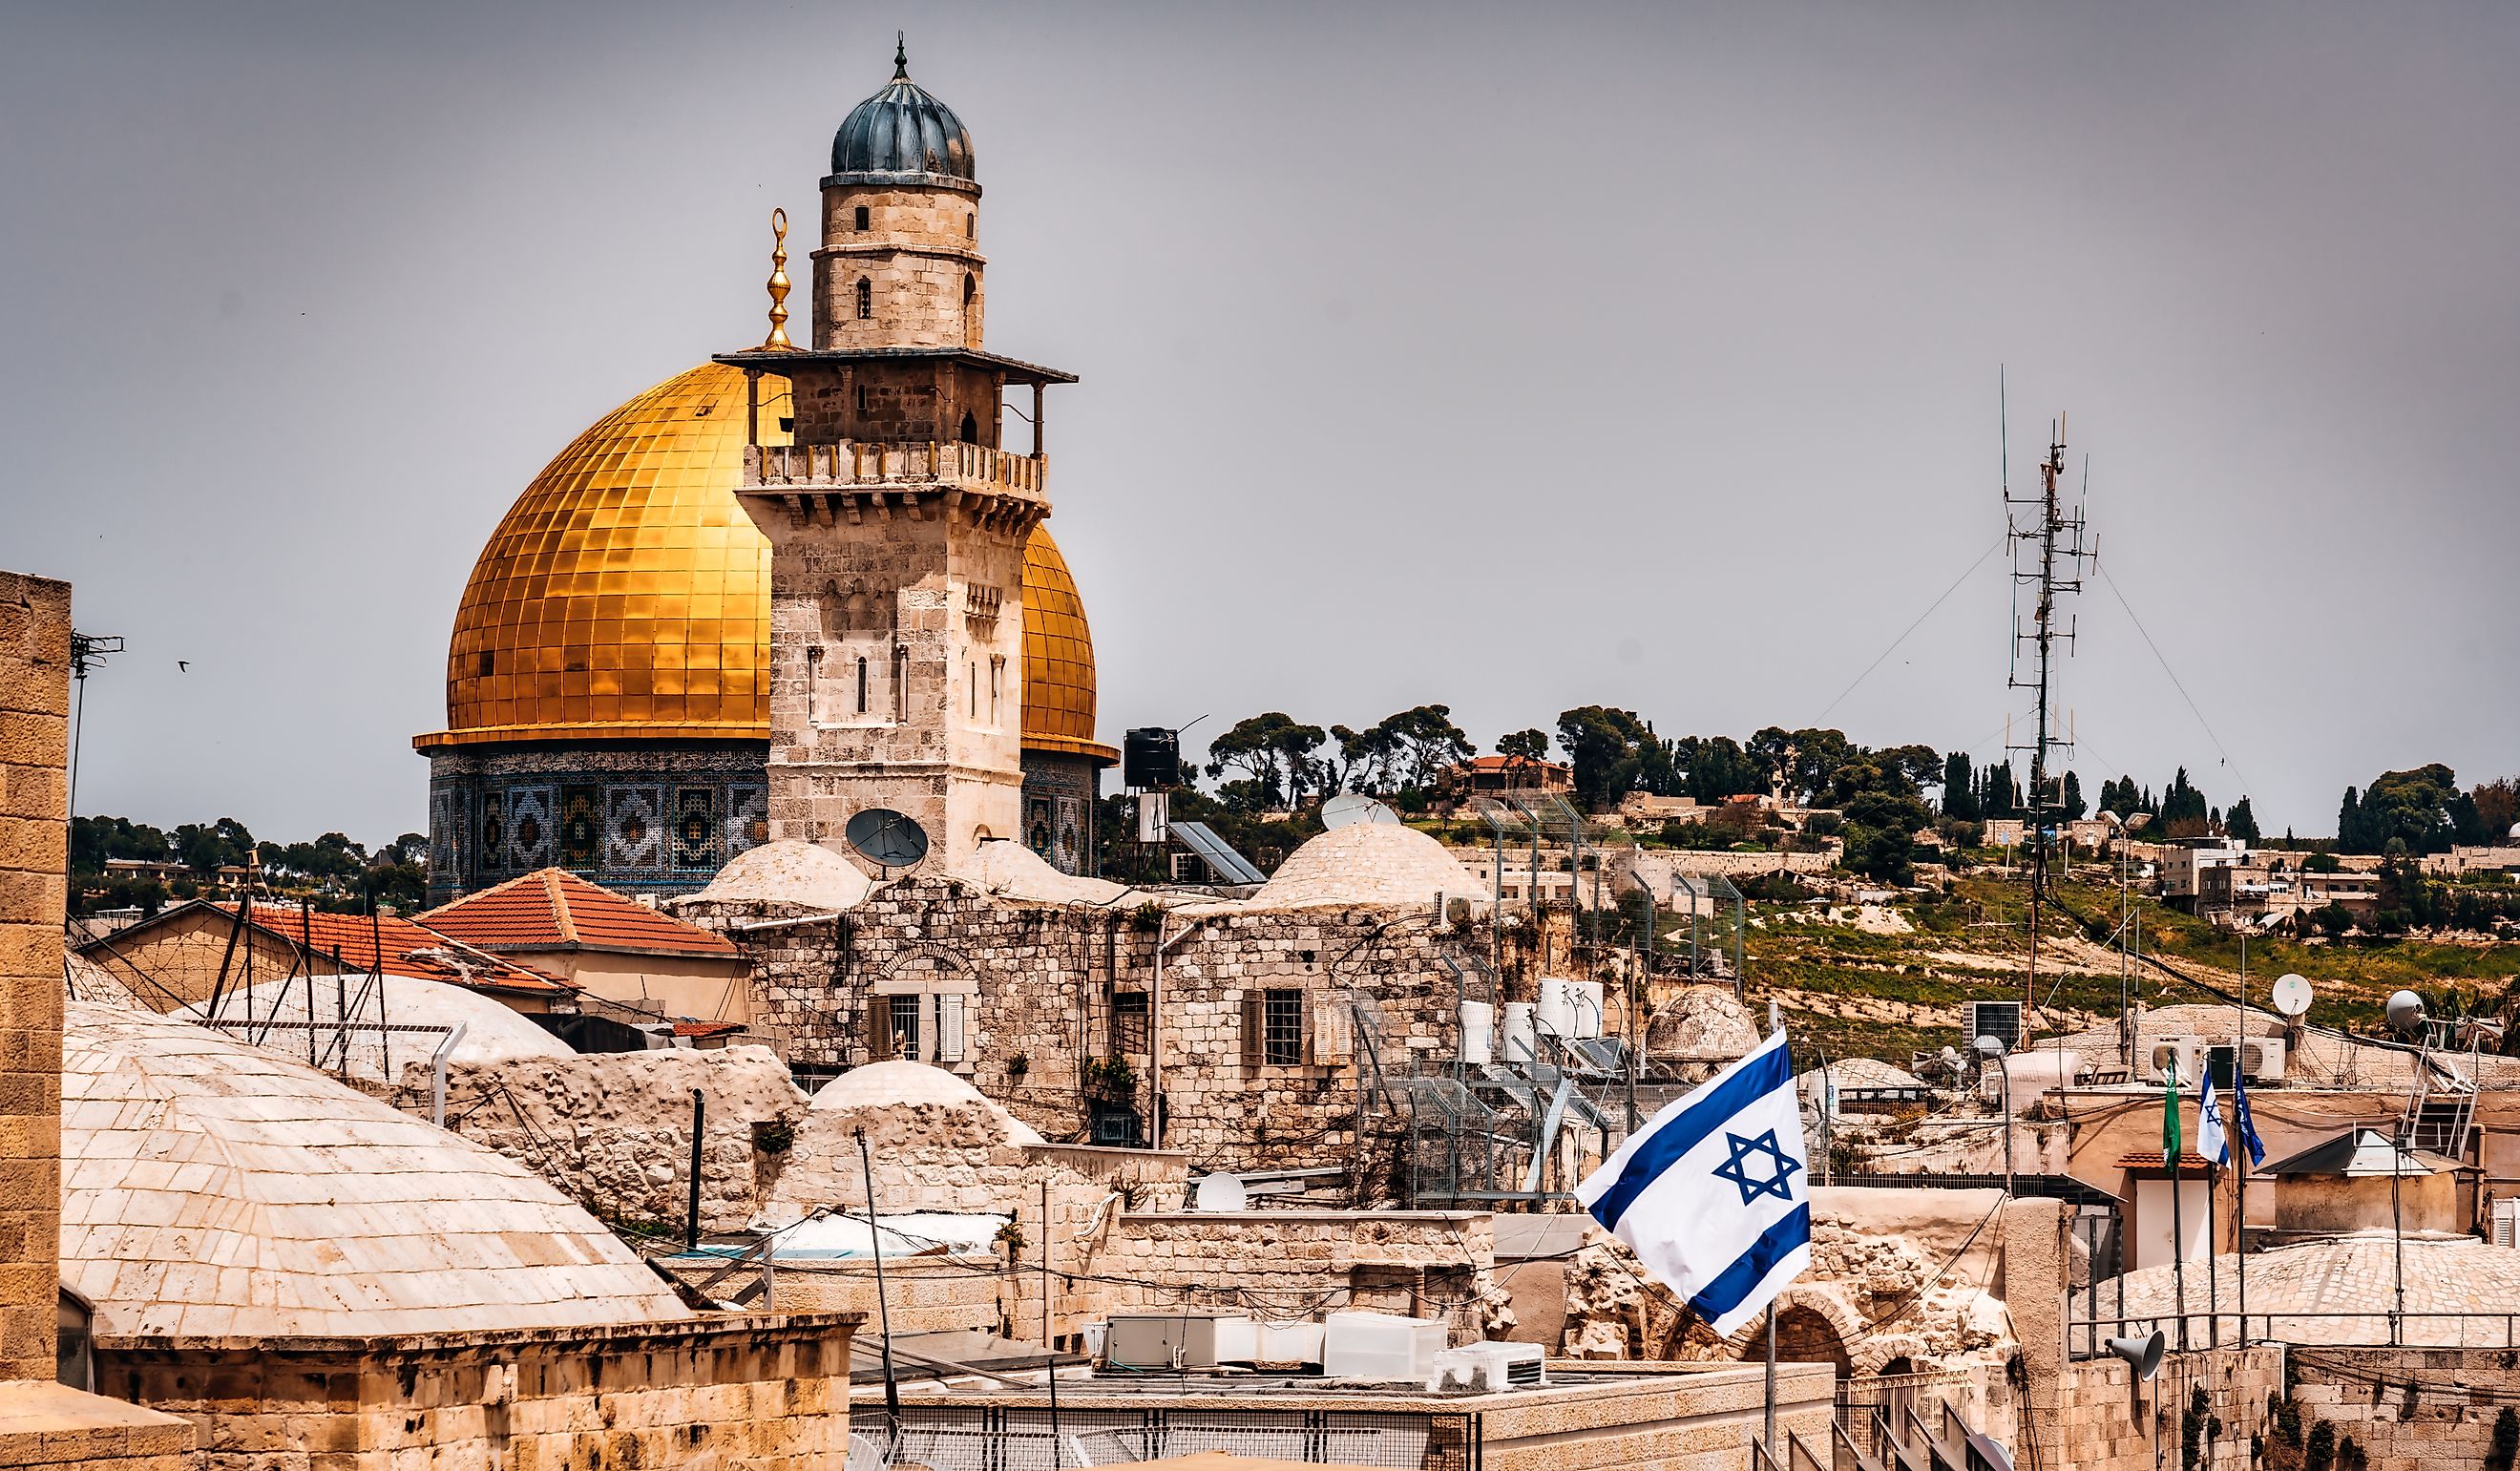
point(2144, 1354)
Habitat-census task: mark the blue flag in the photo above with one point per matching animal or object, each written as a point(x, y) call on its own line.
point(2240, 1117)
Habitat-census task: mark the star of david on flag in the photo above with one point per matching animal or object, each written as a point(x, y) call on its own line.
point(1714, 1194)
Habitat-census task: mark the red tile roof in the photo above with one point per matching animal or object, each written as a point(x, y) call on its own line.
point(1511, 763)
point(553, 909)
point(410, 949)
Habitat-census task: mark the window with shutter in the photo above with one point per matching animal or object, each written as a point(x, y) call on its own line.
point(1282, 1028)
point(879, 1028)
point(1254, 1029)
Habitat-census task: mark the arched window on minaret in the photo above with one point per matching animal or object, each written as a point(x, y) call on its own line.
point(862, 684)
point(866, 299)
point(970, 429)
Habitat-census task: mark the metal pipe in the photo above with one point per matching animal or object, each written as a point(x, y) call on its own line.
point(437, 1074)
point(883, 1309)
point(692, 1218)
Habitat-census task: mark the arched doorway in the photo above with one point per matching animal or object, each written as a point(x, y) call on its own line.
point(1804, 1335)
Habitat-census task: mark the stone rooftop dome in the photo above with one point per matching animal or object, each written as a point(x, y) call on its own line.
point(903, 129)
point(1368, 863)
point(788, 870)
point(626, 594)
point(2347, 1274)
point(902, 1084)
point(209, 1188)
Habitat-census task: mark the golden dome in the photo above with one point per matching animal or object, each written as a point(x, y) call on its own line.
point(626, 594)
point(1057, 657)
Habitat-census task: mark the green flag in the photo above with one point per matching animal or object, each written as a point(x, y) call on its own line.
point(2170, 1116)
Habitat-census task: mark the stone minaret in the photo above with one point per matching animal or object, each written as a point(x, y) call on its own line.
point(897, 521)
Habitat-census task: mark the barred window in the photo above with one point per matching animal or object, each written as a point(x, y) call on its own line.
point(866, 299)
point(1282, 1028)
point(1129, 1032)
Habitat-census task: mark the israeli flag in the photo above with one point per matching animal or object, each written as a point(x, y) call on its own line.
point(1713, 1194)
point(2211, 1141)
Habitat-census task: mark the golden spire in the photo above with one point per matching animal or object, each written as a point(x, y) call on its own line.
point(778, 341)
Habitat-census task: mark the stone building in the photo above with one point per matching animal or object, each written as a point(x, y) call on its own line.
point(611, 675)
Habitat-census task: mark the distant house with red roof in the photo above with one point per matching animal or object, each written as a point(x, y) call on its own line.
point(186, 952)
point(610, 947)
point(1488, 775)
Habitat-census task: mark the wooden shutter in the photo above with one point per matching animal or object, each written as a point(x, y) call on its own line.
point(949, 1028)
point(1306, 1041)
point(879, 1028)
point(1255, 1028)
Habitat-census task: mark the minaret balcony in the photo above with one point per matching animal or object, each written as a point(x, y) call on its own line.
point(855, 476)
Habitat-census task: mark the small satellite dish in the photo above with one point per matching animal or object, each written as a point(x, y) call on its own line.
point(886, 838)
point(2291, 995)
point(1222, 1192)
point(1348, 809)
point(2405, 1013)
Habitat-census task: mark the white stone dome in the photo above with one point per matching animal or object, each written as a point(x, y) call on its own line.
point(1368, 863)
point(902, 1084)
point(213, 1187)
point(491, 1031)
point(788, 871)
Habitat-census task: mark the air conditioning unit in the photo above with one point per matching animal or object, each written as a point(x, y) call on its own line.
point(1486, 1368)
point(1383, 1346)
point(1174, 1340)
point(2506, 1221)
point(2185, 1053)
point(2001, 1020)
point(2262, 1058)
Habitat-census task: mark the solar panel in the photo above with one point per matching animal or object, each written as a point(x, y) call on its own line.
point(1216, 853)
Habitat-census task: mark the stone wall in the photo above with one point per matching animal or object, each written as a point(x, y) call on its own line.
point(1046, 983)
point(43, 1422)
point(34, 852)
point(613, 1131)
point(723, 1393)
point(2107, 1421)
point(2409, 1409)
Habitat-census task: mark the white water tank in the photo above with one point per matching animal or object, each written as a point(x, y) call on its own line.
point(1587, 996)
point(1555, 1015)
point(1479, 1033)
point(1519, 1044)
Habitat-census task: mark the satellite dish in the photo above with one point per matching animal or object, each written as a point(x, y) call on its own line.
point(2405, 1013)
point(1222, 1192)
point(2291, 995)
point(886, 838)
point(1348, 809)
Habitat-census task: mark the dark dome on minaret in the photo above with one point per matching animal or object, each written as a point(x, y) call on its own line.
point(903, 129)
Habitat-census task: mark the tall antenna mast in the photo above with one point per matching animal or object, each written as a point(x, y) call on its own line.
point(2042, 534)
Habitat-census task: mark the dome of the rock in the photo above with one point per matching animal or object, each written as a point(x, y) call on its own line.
point(607, 693)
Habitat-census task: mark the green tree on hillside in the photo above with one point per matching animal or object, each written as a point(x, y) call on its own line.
point(2241, 821)
point(1959, 791)
point(2421, 808)
point(1613, 752)
point(1524, 745)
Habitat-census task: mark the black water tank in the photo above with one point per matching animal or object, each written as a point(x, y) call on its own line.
point(1150, 758)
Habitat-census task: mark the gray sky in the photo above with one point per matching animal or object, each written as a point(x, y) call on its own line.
point(1510, 357)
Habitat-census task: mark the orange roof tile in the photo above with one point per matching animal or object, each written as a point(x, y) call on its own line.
point(408, 949)
point(553, 909)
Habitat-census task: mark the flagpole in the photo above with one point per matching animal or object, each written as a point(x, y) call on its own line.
point(1768, 1420)
point(2170, 1146)
point(2239, 1116)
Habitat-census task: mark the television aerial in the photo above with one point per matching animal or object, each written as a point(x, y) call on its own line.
point(2291, 995)
point(886, 838)
point(1348, 809)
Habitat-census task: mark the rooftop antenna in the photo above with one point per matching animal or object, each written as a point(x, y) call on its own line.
point(87, 651)
point(2047, 534)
